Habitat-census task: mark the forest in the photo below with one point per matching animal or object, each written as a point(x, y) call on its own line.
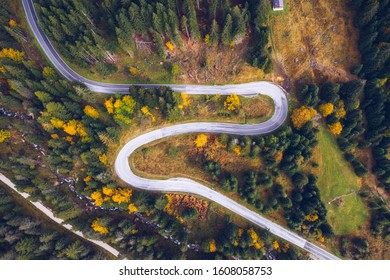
point(93, 33)
point(25, 236)
point(57, 137)
point(55, 141)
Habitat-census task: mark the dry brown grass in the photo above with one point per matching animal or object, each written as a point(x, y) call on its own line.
point(200, 63)
point(180, 201)
point(155, 160)
point(315, 31)
point(257, 107)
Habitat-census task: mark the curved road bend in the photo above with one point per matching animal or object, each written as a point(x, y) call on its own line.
point(182, 184)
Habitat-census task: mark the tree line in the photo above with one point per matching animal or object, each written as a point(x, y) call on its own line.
point(374, 45)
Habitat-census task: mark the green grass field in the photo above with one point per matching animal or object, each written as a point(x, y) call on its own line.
point(337, 178)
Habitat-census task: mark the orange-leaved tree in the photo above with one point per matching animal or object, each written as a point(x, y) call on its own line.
point(213, 246)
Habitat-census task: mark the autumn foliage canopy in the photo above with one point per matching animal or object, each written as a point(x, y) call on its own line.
point(302, 115)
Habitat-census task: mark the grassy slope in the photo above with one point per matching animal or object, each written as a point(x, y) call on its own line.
point(337, 178)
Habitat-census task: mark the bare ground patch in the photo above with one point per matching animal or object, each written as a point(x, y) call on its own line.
point(316, 40)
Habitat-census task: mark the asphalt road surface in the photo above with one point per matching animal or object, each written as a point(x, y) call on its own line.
point(184, 185)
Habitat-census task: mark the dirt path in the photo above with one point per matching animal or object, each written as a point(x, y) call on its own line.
point(59, 221)
point(341, 196)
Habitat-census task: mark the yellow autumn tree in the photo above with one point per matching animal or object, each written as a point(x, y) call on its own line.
point(237, 150)
point(97, 198)
point(146, 112)
point(201, 140)
point(326, 109)
point(91, 112)
point(70, 139)
point(336, 128)
point(168, 207)
point(109, 104)
point(232, 102)
point(256, 241)
point(312, 217)
point(96, 226)
point(57, 123)
point(108, 191)
point(103, 159)
point(122, 195)
point(12, 23)
point(341, 113)
point(212, 246)
point(4, 135)
point(48, 72)
point(275, 245)
point(134, 71)
point(87, 179)
point(170, 46)
point(2, 69)
point(122, 108)
point(132, 208)
point(302, 115)
point(186, 99)
point(76, 128)
point(207, 39)
point(12, 54)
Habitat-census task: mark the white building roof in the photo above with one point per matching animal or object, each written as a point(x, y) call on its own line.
point(278, 5)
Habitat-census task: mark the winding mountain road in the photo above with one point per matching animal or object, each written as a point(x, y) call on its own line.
point(185, 185)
